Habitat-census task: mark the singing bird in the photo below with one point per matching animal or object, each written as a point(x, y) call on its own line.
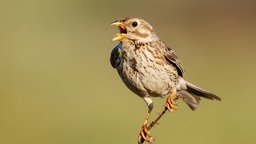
point(149, 68)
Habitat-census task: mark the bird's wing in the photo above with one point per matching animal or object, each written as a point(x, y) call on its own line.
point(172, 58)
point(114, 57)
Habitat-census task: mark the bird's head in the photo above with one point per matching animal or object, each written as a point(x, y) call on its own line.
point(134, 29)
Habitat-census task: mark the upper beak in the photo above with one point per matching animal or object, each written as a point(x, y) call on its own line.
point(123, 31)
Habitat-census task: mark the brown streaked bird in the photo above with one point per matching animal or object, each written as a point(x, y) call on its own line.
point(150, 68)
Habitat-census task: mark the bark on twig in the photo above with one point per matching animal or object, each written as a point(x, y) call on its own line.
point(154, 123)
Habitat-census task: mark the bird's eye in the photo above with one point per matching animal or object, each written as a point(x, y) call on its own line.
point(134, 24)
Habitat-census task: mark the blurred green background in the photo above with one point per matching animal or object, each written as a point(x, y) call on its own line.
point(57, 85)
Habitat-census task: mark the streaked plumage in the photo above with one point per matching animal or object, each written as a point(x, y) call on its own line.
point(150, 68)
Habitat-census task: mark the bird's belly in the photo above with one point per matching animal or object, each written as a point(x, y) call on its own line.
point(147, 80)
point(157, 82)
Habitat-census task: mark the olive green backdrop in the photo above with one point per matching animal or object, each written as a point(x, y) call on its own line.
point(57, 85)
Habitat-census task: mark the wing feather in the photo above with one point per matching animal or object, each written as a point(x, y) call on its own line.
point(172, 58)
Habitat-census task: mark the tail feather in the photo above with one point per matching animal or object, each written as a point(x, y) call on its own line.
point(191, 95)
point(190, 99)
point(201, 92)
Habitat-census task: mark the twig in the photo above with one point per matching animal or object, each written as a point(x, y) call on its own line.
point(154, 122)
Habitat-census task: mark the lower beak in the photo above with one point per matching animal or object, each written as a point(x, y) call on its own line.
point(121, 35)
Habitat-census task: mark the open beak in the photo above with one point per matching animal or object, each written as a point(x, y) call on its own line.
point(122, 31)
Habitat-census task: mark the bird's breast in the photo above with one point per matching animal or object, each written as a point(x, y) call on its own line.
point(146, 72)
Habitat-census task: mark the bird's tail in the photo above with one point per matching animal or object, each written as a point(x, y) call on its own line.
point(192, 95)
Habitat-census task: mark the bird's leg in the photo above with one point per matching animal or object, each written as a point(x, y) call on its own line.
point(142, 138)
point(170, 102)
point(144, 132)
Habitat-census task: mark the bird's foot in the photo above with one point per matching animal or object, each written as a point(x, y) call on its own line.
point(145, 135)
point(170, 102)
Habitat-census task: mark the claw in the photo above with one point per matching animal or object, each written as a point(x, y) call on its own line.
point(170, 102)
point(144, 132)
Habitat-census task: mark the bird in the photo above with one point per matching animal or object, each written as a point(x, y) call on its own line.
point(149, 68)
